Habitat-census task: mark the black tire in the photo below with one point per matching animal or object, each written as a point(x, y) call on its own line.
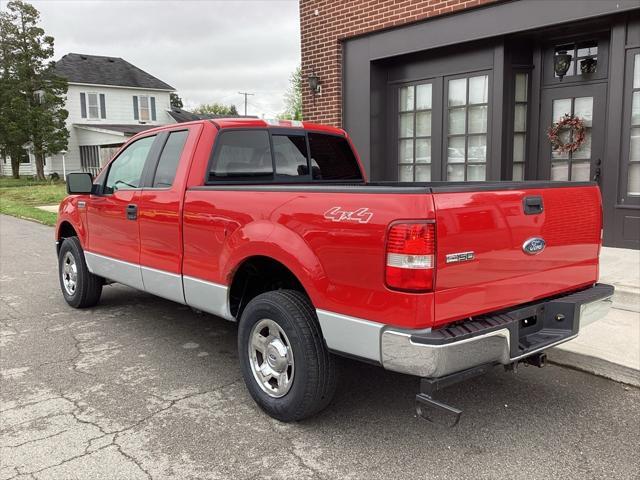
point(88, 286)
point(314, 381)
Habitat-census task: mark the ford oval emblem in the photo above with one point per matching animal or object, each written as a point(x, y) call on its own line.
point(533, 246)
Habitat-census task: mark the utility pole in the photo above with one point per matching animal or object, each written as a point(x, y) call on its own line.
point(245, 101)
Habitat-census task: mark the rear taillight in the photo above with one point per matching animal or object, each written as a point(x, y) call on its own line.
point(411, 253)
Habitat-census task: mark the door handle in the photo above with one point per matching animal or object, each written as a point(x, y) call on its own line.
point(532, 205)
point(132, 211)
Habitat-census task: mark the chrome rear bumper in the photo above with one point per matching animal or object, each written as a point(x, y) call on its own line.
point(502, 338)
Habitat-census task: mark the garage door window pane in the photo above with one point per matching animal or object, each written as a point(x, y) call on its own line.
point(478, 119)
point(414, 132)
point(477, 148)
point(455, 173)
point(479, 89)
point(405, 155)
point(406, 98)
point(475, 173)
point(457, 92)
point(423, 98)
point(457, 121)
point(456, 152)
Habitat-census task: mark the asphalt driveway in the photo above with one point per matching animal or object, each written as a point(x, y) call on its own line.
point(140, 387)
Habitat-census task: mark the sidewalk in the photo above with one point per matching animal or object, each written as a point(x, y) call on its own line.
point(611, 347)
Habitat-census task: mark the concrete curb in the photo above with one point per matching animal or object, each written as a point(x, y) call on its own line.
point(627, 298)
point(596, 366)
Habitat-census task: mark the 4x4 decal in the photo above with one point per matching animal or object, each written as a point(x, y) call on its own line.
point(361, 215)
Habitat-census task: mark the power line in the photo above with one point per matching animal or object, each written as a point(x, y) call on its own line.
point(245, 101)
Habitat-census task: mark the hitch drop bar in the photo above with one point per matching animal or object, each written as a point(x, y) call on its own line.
point(437, 412)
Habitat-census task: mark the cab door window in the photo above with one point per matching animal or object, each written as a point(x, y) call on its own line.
point(125, 171)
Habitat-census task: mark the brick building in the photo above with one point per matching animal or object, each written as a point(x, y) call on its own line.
point(465, 90)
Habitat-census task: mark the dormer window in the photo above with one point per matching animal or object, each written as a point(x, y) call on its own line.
point(93, 105)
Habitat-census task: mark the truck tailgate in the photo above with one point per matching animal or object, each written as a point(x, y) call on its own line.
point(494, 226)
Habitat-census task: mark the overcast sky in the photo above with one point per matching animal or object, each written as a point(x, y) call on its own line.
point(209, 50)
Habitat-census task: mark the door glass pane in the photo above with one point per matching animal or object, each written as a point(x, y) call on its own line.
point(406, 173)
point(455, 173)
point(456, 121)
point(423, 124)
point(423, 99)
point(478, 119)
point(561, 107)
point(636, 70)
point(423, 173)
point(518, 147)
point(560, 171)
point(476, 173)
point(456, 152)
point(406, 125)
point(580, 171)
point(584, 151)
point(565, 137)
point(634, 179)
point(518, 172)
point(405, 151)
point(477, 148)
point(457, 92)
point(635, 109)
point(125, 171)
point(479, 89)
point(520, 118)
point(406, 98)
point(521, 87)
point(634, 150)
point(423, 150)
point(583, 109)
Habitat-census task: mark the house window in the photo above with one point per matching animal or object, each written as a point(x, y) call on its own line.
point(93, 106)
point(520, 125)
point(467, 119)
point(414, 133)
point(143, 103)
point(633, 176)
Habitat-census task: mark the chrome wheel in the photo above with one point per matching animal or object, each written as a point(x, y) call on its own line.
point(69, 273)
point(271, 358)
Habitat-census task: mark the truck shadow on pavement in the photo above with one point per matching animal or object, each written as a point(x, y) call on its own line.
point(365, 393)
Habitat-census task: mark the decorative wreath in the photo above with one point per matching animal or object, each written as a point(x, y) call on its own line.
point(568, 122)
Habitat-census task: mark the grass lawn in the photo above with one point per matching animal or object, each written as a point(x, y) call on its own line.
point(20, 197)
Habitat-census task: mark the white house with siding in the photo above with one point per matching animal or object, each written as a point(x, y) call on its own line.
point(108, 101)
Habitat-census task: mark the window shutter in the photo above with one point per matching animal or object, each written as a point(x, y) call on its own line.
point(135, 108)
point(103, 107)
point(83, 105)
point(153, 108)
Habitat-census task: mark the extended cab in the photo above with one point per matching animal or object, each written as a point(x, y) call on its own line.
point(274, 226)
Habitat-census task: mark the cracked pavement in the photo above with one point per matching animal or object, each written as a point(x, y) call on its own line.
point(139, 387)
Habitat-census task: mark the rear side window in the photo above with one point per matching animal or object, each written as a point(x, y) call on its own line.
point(242, 154)
point(332, 158)
point(290, 155)
point(169, 159)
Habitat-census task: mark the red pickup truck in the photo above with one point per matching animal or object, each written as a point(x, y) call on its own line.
point(273, 225)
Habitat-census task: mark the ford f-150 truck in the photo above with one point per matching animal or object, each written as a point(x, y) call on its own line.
point(273, 225)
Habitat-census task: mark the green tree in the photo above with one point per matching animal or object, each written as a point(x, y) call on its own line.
point(217, 109)
point(293, 97)
point(13, 104)
point(28, 53)
point(176, 101)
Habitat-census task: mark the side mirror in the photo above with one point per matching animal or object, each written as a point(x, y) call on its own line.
point(79, 183)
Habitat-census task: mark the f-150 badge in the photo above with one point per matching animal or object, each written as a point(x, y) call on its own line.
point(337, 214)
